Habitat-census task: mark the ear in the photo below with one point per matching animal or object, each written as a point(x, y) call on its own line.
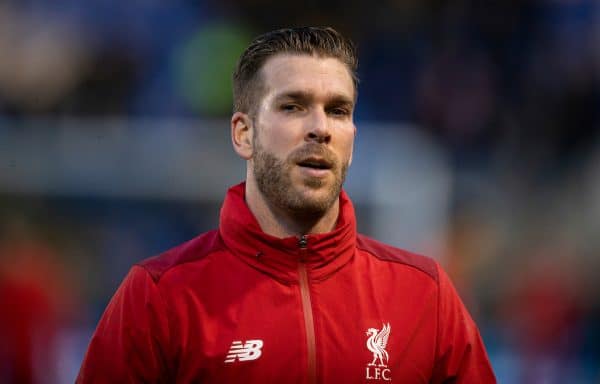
point(241, 135)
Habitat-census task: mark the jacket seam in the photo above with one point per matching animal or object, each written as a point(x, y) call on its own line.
point(172, 267)
point(403, 263)
point(170, 319)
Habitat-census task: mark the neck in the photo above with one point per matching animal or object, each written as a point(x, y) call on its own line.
point(280, 223)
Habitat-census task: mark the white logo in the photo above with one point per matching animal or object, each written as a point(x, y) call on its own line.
point(251, 350)
point(376, 343)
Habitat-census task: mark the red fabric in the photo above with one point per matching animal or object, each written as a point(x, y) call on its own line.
point(175, 316)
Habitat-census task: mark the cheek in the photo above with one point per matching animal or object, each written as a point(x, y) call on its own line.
point(346, 146)
point(278, 137)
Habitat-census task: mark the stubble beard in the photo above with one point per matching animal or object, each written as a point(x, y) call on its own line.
point(274, 180)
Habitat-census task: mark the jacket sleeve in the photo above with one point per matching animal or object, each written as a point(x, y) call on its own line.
point(460, 354)
point(130, 342)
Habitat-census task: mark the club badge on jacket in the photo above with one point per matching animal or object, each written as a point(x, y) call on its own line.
point(378, 369)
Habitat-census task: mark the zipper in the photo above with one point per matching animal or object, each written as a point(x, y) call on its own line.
point(309, 324)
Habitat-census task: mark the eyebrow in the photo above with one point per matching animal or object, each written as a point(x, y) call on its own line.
point(306, 97)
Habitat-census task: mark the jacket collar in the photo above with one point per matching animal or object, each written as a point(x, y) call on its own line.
point(324, 254)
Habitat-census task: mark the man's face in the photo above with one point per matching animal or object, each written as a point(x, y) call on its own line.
point(303, 133)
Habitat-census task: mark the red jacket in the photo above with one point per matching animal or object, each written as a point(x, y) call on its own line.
point(239, 306)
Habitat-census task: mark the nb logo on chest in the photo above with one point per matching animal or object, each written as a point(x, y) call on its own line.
point(250, 350)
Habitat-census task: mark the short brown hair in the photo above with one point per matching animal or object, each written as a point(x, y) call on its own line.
point(319, 41)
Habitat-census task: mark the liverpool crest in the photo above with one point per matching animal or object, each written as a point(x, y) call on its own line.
point(378, 369)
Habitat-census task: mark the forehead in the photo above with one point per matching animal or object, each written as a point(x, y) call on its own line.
point(286, 73)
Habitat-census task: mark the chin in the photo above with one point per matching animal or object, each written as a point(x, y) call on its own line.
point(313, 201)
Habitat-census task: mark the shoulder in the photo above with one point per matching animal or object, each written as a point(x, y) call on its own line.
point(194, 250)
point(388, 253)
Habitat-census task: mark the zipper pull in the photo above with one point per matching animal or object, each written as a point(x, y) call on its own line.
point(303, 242)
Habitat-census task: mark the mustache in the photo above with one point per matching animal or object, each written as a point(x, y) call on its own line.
point(316, 150)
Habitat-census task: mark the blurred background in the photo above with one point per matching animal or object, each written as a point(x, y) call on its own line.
point(478, 144)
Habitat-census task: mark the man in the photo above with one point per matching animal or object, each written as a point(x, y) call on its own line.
point(285, 290)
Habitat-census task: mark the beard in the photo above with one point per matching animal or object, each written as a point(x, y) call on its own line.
point(274, 180)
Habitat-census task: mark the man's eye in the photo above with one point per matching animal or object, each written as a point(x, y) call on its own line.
point(290, 107)
point(340, 112)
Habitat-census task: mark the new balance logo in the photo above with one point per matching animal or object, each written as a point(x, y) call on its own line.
point(251, 350)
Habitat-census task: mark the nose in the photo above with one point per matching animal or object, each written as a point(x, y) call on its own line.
point(318, 129)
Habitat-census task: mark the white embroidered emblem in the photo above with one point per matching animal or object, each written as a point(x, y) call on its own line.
point(376, 343)
point(250, 350)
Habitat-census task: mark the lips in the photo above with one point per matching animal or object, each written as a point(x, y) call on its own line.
point(315, 163)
